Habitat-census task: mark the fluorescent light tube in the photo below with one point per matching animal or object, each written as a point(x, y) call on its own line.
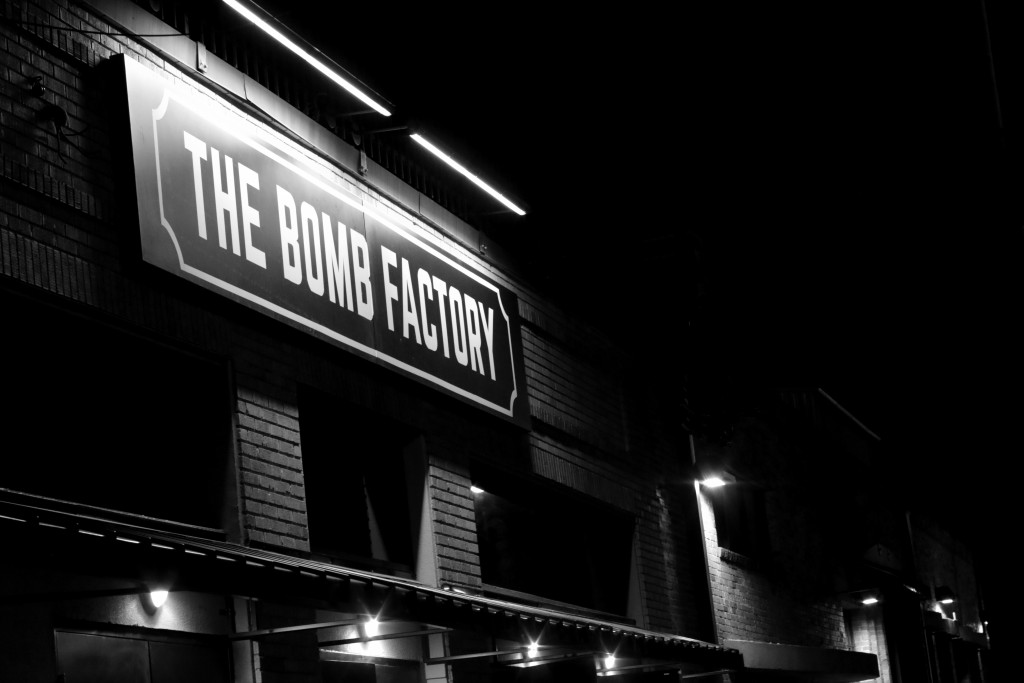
point(308, 58)
point(464, 171)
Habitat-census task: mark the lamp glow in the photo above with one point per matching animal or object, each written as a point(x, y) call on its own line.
point(305, 56)
point(869, 601)
point(466, 172)
point(158, 598)
point(946, 601)
point(609, 661)
point(532, 651)
point(372, 627)
point(713, 483)
point(476, 489)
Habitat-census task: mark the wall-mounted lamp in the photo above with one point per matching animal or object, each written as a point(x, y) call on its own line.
point(158, 598)
point(476, 490)
point(153, 600)
point(35, 86)
point(713, 482)
point(869, 601)
point(944, 595)
point(532, 650)
point(371, 627)
point(609, 661)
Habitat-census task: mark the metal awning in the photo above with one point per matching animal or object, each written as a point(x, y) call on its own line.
point(775, 661)
point(104, 547)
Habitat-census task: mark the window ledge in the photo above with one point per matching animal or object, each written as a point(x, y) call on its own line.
point(741, 560)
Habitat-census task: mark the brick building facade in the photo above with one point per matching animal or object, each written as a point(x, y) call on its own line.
point(148, 415)
point(817, 567)
point(316, 513)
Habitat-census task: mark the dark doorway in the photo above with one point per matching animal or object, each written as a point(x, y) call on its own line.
point(101, 658)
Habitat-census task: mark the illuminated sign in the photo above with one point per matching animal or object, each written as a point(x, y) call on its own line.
point(242, 210)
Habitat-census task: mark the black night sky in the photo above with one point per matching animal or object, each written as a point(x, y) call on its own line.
point(823, 194)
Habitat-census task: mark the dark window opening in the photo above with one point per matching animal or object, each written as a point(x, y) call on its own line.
point(546, 540)
point(349, 672)
point(96, 415)
point(741, 520)
point(357, 490)
point(369, 672)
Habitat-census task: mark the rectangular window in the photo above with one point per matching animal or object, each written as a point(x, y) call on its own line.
point(357, 492)
point(740, 519)
point(546, 540)
point(102, 416)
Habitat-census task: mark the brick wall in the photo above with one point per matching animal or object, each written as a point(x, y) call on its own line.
point(599, 430)
point(458, 557)
point(943, 559)
point(790, 595)
point(867, 629)
point(269, 454)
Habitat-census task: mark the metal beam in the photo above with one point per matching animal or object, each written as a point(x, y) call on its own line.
point(705, 674)
point(549, 659)
point(475, 655)
point(385, 636)
point(263, 633)
point(634, 667)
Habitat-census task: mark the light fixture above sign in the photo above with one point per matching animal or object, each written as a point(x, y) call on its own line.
point(473, 178)
point(313, 57)
point(266, 24)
